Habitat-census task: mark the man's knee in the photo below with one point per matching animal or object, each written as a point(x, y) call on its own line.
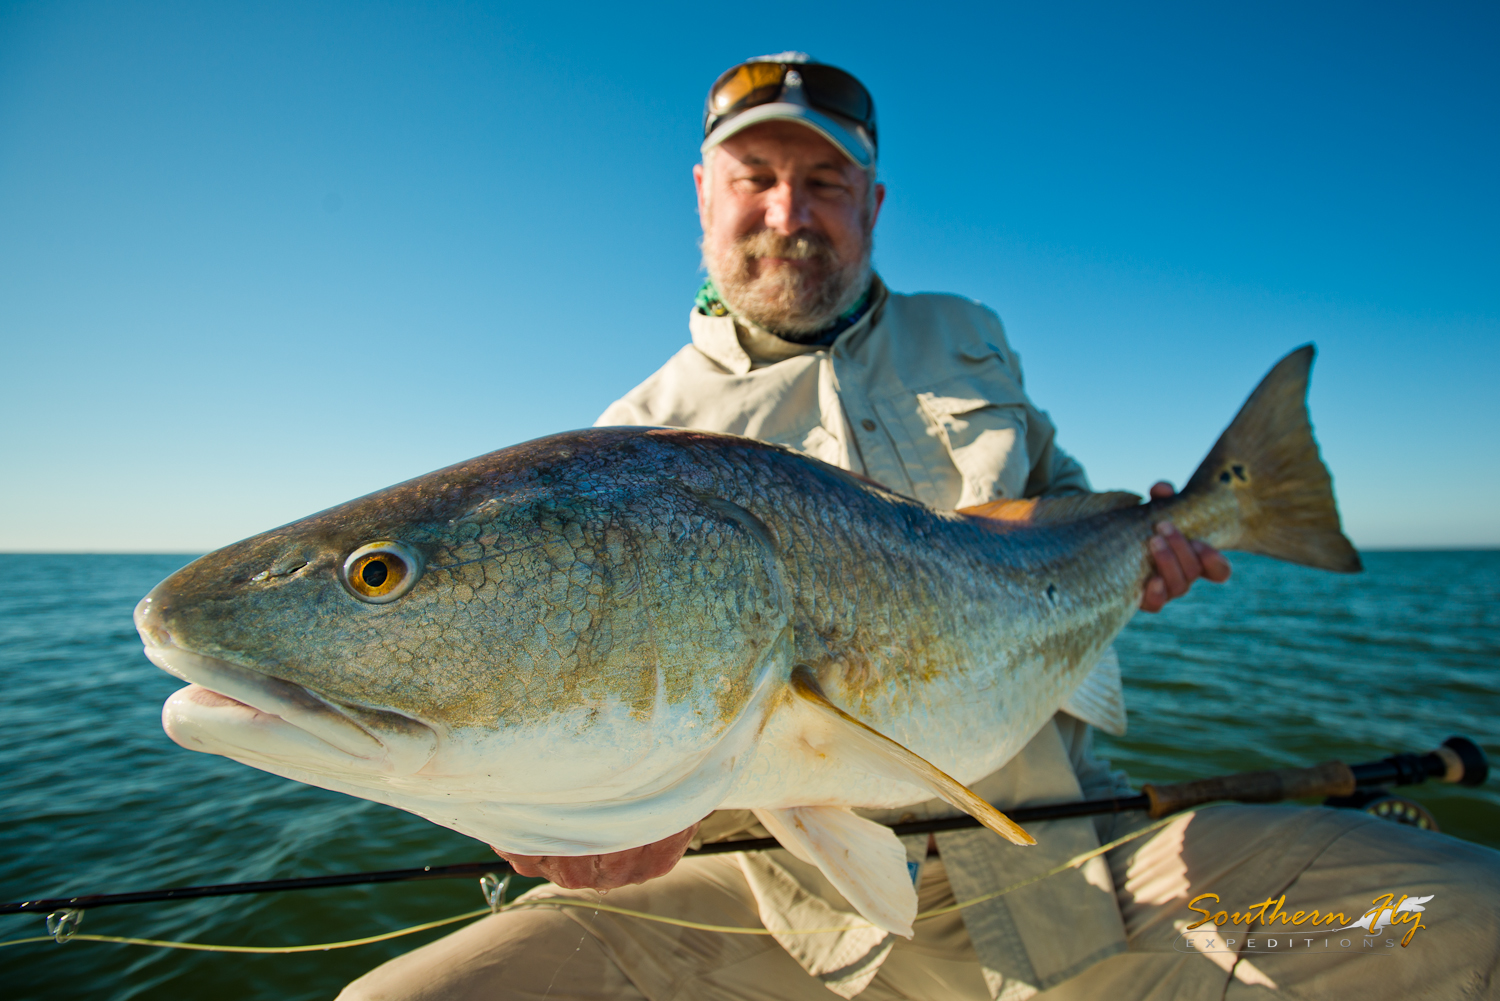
point(518, 955)
point(560, 953)
point(1462, 879)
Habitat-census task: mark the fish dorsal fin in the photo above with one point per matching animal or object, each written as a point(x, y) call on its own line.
point(865, 861)
point(874, 752)
point(1100, 700)
point(1051, 510)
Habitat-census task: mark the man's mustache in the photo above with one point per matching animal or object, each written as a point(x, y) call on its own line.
point(803, 245)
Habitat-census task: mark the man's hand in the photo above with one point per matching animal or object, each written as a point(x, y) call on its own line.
point(604, 872)
point(1178, 561)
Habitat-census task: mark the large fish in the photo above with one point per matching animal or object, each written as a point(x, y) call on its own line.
point(587, 642)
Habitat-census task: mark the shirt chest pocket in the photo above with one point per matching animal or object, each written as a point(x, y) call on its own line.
point(984, 440)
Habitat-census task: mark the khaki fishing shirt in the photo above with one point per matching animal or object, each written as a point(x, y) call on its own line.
point(925, 396)
point(922, 395)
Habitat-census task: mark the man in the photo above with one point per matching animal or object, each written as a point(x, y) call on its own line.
point(796, 341)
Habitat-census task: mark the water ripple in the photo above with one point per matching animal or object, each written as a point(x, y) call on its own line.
point(1283, 666)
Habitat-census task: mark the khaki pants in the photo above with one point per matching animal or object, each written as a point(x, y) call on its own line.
point(1332, 860)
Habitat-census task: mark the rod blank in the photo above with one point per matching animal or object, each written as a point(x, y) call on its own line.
point(1459, 760)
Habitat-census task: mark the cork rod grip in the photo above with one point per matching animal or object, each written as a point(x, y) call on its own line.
point(1331, 778)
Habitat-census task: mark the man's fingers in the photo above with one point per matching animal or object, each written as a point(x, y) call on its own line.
point(1179, 561)
point(568, 872)
point(524, 865)
point(573, 873)
point(653, 860)
point(1161, 490)
point(1187, 556)
point(662, 856)
point(1215, 566)
point(617, 869)
point(1167, 567)
point(643, 866)
point(605, 872)
point(1154, 598)
point(624, 869)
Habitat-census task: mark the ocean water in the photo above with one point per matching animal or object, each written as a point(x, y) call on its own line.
point(1282, 666)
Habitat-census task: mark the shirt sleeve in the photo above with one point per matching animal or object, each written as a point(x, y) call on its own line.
point(1057, 473)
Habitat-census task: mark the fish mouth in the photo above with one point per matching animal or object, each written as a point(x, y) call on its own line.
point(238, 712)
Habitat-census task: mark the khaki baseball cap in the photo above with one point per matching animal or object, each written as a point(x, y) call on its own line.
point(793, 87)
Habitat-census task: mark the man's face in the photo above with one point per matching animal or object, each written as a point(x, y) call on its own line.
point(787, 221)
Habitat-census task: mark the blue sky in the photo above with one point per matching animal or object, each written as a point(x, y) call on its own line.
point(257, 259)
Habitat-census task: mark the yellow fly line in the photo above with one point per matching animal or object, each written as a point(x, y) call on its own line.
point(200, 947)
point(1072, 863)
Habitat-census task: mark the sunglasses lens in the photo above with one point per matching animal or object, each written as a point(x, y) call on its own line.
point(746, 86)
point(834, 90)
point(824, 87)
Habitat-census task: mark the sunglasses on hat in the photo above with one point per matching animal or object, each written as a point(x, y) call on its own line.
point(826, 88)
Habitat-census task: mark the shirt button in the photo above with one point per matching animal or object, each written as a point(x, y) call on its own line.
point(867, 424)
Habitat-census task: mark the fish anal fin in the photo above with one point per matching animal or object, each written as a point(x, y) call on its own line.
point(1049, 510)
point(1100, 700)
point(865, 861)
point(873, 751)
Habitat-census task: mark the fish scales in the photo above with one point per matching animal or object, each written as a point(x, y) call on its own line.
point(928, 609)
point(585, 643)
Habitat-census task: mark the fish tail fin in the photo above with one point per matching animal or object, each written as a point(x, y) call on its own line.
point(1267, 463)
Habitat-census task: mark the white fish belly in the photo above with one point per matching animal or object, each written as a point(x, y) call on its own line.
point(966, 729)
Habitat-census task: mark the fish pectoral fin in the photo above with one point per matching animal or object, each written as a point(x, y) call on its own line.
point(865, 861)
point(873, 751)
point(1100, 700)
point(1004, 514)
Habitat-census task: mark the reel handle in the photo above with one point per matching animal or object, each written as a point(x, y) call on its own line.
point(1459, 761)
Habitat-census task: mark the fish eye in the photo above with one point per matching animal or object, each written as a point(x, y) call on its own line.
point(381, 571)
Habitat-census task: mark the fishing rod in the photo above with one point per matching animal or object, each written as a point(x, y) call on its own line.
point(1458, 760)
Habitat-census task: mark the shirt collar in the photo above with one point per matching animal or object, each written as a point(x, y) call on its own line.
point(718, 338)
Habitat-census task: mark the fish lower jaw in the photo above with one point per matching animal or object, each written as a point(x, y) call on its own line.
point(201, 719)
point(225, 705)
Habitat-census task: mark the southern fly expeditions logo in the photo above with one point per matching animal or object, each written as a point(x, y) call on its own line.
point(1379, 929)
